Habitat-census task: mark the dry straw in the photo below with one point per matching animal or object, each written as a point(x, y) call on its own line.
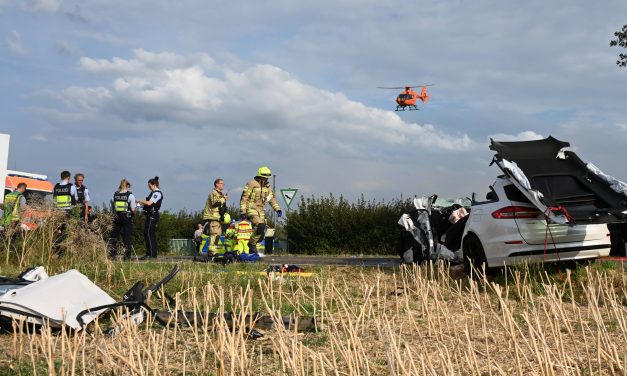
point(417, 320)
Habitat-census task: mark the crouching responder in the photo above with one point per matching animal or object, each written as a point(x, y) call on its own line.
point(243, 231)
point(213, 214)
point(124, 209)
point(230, 237)
point(257, 193)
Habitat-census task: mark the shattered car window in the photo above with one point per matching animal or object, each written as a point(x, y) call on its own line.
point(446, 202)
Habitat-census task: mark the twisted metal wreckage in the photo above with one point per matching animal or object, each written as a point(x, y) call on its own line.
point(71, 301)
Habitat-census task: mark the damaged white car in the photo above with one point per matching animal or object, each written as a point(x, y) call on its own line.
point(548, 206)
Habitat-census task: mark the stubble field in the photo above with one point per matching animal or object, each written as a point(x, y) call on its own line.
point(413, 321)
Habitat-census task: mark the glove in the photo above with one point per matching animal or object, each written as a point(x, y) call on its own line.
point(279, 213)
point(242, 217)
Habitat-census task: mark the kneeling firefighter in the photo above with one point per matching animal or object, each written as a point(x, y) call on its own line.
point(220, 245)
point(257, 193)
point(230, 235)
point(213, 214)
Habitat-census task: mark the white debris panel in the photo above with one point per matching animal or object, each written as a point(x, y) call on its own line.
point(55, 300)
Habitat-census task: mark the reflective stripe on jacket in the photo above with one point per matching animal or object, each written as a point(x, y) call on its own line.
point(215, 201)
point(11, 207)
point(63, 196)
point(254, 198)
point(120, 202)
point(243, 230)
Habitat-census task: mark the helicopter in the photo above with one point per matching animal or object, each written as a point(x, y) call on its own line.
point(408, 98)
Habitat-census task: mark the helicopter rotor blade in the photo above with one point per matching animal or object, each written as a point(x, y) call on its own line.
point(402, 87)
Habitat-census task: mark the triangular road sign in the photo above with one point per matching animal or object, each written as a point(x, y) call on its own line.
point(288, 195)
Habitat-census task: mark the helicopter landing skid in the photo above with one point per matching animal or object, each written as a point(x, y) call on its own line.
point(408, 107)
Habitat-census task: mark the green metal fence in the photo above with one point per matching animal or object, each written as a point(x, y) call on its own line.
point(182, 247)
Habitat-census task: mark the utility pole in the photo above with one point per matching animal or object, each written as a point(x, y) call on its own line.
point(274, 217)
point(274, 193)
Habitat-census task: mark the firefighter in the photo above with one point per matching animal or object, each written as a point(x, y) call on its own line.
point(213, 214)
point(257, 193)
point(124, 210)
point(14, 205)
point(83, 199)
point(151, 206)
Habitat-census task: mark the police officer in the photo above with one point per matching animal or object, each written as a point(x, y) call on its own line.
point(82, 194)
point(65, 194)
point(124, 211)
point(151, 206)
point(256, 194)
point(215, 209)
point(65, 197)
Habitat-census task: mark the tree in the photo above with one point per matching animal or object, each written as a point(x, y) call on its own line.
point(621, 41)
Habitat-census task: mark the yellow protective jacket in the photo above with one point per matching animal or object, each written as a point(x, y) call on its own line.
point(255, 196)
point(230, 237)
point(11, 207)
point(215, 201)
point(243, 232)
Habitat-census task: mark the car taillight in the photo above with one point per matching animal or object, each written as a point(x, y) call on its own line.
point(511, 212)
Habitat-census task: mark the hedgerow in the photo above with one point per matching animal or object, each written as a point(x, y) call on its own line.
point(327, 225)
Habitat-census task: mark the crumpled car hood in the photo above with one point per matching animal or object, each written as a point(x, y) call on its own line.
point(560, 184)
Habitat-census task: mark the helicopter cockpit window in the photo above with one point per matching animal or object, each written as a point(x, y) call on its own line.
point(406, 96)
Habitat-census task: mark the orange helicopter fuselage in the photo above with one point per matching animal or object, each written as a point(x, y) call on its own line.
point(410, 97)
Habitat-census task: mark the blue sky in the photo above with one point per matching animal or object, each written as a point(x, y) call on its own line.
point(194, 90)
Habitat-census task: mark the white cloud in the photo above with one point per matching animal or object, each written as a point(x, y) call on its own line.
point(14, 42)
point(197, 92)
point(44, 6)
point(522, 136)
point(622, 126)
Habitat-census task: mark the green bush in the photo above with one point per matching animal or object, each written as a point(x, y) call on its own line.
point(325, 225)
point(334, 225)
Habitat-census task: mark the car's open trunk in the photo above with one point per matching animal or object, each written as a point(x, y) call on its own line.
point(563, 181)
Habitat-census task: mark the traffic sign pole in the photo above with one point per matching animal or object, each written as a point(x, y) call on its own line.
point(288, 195)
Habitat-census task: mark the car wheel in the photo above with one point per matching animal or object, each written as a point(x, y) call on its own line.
point(474, 255)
